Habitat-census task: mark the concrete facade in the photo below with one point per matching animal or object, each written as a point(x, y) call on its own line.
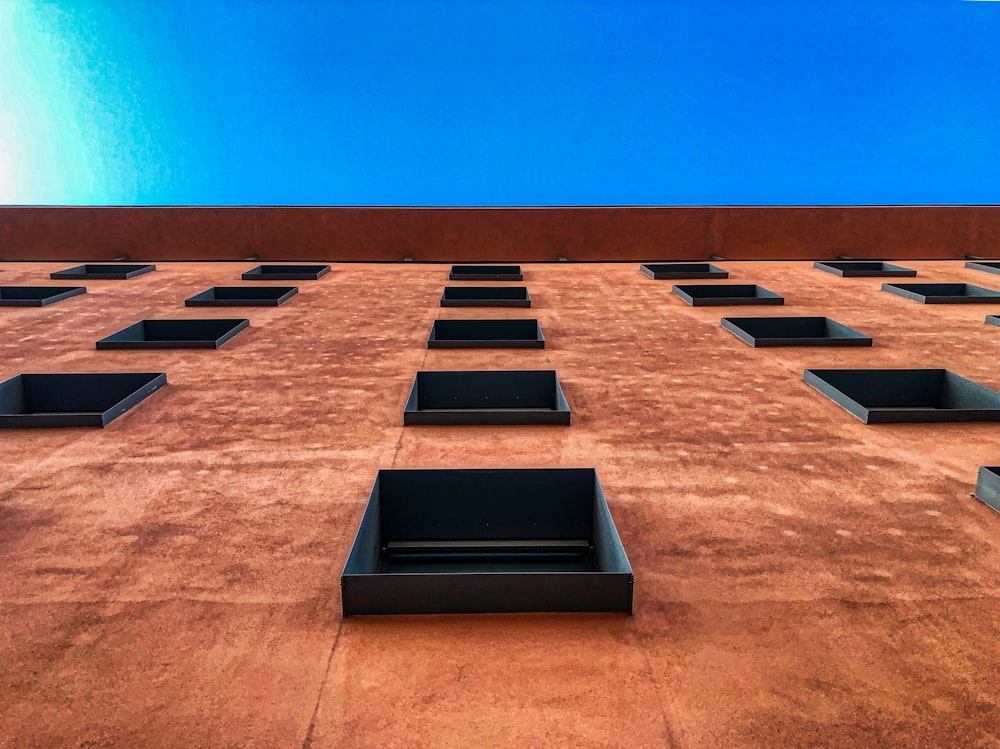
point(802, 579)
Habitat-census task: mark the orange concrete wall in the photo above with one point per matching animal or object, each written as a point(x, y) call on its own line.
point(802, 579)
point(483, 234)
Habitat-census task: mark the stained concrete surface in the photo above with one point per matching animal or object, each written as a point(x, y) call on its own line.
point(509, 234)
point(801, 579)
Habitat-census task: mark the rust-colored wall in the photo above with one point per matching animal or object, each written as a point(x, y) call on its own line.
point(482, 234)
point(802, 579)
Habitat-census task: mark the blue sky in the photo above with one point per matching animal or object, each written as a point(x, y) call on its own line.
point(482, 102)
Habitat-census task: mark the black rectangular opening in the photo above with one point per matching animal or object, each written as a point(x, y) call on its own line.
point(702, 295)
point(103, 272)
point(863, 268)
point(487, 397)
point(73, 400)
point(984, 265)
point(485, 296)
point(486, 273)
point(486, 334)
point(150, 334)
point(286, 273)
point(943, 293)
point(663, 271)
point(906, 395)
point(243, 296)
point(486, 540)
point(37, 296)
point(794, 331)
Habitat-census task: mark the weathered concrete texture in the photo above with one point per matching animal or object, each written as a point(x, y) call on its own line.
point(608, 233)
point(802, 579)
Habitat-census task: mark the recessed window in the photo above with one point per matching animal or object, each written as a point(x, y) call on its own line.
point(863, 269)
point(988, 486)
point(486, 540)
point(883, 396)
point(486, 273)
point(486, 334)
point(243, 296)
point(485, 296)
point(73, 400)
point(37, 296)
point(102, 272)
point(989, 267)
point(794, 331)
point(487, 397)
point(943, 293)
point(665, 271)
point(286, 273)
point(713, 295)
point(148, 334)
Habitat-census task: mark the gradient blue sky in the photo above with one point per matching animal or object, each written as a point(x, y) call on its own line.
point(480, 102)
